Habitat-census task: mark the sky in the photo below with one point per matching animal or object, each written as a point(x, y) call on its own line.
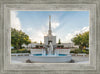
point(65, 24)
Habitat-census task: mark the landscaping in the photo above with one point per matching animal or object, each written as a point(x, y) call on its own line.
point(80, 51)
point(20, 51)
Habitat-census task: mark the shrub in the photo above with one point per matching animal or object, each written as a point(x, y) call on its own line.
point(37, 46)
point(80, 51)
point(72, 51)
point(84, 51)
point(41, 46)
point(13, 51)
point(20, 51)
point(87, 52)
point(76, 51)
point(62, 46)
point(58, 46)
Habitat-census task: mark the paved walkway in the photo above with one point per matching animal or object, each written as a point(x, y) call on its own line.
point(80, 58)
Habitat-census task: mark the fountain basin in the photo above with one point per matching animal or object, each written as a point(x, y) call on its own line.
point(61, 58)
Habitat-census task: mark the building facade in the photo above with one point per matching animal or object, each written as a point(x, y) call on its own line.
point(50, 38)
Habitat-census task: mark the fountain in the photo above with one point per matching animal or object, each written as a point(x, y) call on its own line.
point(49, 53)
point(51, 57)
point(50, 49)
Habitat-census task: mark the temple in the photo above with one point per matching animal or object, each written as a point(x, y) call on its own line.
point(50, 38)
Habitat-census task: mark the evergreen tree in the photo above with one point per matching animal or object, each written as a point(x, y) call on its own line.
point(59, 42)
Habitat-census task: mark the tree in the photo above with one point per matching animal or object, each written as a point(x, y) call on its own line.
point(18, 38)
point(59, 42)
point(82, 40)
point(34, 42)
point(40, 42)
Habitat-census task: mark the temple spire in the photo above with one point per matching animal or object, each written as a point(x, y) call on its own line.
point(49, 32)
point(49, 22)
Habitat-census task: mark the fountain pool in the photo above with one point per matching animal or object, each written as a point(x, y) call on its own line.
point(50, 57)
point(61, 58)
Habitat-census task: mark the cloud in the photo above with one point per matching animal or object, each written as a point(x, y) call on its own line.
point(29, 29)
point(39, 34)
point(54, 24)
point(15, 22)
point(53, 34)
point(36, 35)
point(71, 35)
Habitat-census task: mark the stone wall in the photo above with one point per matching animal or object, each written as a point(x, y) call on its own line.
point(59, 51)
point(36, 51)
point(63, 51)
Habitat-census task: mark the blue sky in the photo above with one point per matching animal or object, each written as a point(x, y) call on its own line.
point(65, 24)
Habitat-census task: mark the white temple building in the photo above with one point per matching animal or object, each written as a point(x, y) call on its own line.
point(50, 38)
